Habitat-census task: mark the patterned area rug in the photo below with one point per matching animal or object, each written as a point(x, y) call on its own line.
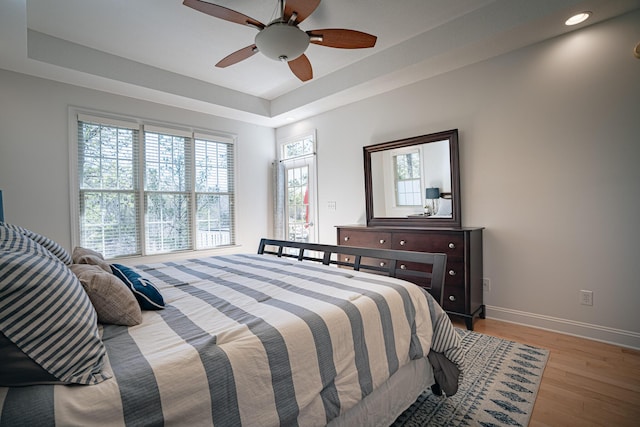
point(499, 387)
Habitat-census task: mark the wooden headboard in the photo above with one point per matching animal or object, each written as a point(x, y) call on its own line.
point(433, 270)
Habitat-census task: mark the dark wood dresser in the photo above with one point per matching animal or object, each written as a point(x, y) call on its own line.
point(463, 246)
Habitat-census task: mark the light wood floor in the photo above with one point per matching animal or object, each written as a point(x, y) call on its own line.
point(585, 383)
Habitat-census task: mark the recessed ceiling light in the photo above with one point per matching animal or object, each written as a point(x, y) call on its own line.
point(578, 18)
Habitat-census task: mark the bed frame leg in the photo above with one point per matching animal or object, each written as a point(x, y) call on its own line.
point(436, 390)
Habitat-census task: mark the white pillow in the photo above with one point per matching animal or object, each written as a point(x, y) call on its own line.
point(444, 207)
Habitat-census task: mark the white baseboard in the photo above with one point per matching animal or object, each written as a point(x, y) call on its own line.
point(605, 334)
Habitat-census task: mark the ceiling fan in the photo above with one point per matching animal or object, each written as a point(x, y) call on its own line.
point(281, 39)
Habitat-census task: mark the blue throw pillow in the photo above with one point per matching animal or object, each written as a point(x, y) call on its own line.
point(146, 293)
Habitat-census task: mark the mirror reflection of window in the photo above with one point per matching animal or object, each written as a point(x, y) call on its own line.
point(392, 198)
point(407, 179)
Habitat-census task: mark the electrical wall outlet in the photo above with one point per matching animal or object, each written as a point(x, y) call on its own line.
point(586, 297)
point(486, 284)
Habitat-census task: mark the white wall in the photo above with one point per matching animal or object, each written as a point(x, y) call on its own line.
point(34, 154)
point(549, 152)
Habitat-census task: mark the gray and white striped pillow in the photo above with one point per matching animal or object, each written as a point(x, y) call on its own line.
point(46, 313)
point(44, 241)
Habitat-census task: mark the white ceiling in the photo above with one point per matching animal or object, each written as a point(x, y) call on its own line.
point(163, 51)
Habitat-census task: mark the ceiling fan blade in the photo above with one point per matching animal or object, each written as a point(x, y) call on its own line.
point(302, 9)
point(301, 67)
point(237, 56)
point(341, 38)
point(222, 13)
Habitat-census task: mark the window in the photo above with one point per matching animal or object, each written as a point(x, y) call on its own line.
point(298, 203)
point(173, 191)
point(167, 195)
point(298, 148)
point(214, 193)
point(296, 207)
point(109, 201)
point(407, 179)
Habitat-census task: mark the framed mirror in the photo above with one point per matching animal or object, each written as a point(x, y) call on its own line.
point(413, 182)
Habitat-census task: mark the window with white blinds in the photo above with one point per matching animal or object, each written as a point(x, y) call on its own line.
point(145, 189)
point(214, 191)
point(407, 179)
point(167, 191)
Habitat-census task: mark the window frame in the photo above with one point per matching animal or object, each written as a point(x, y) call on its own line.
point(194, 133)
point(392, 171)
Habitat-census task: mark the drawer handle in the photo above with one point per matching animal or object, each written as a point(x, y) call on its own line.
point(452, 273)
point(452, 298)
point(402, 242)
point(403, 267)
point(381, 241)
point(452, 245)
point(382, 263)
point(346, 238)
point(346, 259)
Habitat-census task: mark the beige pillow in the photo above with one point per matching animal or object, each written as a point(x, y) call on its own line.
point(111, 298)
point(88, 256)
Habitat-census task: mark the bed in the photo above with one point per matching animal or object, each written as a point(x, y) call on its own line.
point(284, 336)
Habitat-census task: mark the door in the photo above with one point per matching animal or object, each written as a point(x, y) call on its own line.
point(299, 201)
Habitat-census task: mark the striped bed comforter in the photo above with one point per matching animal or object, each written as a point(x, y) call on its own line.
point(251, 340)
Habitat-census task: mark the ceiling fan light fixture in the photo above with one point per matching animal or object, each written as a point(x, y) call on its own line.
point(282, 42)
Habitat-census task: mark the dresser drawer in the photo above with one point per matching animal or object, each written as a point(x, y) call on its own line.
point(454, 274)
point(376, 240)
point(378, 262)
point(454, 299)
point(450, 244)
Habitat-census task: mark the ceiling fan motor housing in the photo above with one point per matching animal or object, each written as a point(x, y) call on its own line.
point(282, 42)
